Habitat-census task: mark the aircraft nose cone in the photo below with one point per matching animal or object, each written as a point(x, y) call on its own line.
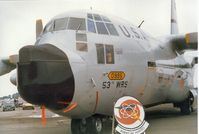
point(45, 76)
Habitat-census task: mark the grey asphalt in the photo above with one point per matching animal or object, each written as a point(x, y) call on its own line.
point(163, 119)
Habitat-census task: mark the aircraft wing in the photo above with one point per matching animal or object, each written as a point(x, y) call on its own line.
point(8, 64)
point(181, 43)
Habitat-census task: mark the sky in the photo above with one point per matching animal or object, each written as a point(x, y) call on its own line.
point(17, 25)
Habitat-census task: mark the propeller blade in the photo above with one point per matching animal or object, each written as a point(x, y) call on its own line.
point(39, 27)
point(43, 116)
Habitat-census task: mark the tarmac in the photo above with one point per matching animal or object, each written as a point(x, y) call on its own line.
point(163, 119)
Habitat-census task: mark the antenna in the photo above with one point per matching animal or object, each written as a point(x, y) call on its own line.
point(141, 24)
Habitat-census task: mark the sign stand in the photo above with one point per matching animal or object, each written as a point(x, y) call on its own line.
point(113, 121)
point(113, 125)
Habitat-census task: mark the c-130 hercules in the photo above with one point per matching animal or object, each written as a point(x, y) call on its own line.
point(82, 62)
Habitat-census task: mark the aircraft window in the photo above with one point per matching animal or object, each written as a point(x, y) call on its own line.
point(97, 17)
point(101, 28)
point(109, 54)
point(90, 16)
point(151, 64)
point(111, 29)
point(60, 24)
point(76, 24)
point(100, 53)
point(105, 19)
point(81, 37)
point(91, 26)
point(48, 27)
point(82, 46)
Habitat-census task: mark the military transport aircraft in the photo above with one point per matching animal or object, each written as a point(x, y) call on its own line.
point(84, 61)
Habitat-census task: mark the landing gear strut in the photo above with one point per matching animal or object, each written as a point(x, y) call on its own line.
point(91, 125)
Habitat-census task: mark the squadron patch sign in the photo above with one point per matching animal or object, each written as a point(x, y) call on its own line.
point(130, 114)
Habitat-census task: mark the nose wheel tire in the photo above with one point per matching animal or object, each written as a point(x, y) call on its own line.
point(186, 107)
point(91, 125)
point(95, 125)
point(79, 126)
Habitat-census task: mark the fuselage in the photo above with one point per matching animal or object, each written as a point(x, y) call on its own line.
point(110, 58)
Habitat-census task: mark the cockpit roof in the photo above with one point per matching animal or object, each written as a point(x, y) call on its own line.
point(83, 14)
point(89, 20)
point(77, 20)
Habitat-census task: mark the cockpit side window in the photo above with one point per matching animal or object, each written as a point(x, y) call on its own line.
point(48, 27)
point(60, 24)
point(105, 56)
point(100, 53)
point(81, 42)
point(81, 37)
point(109, 54)
point(76, 24)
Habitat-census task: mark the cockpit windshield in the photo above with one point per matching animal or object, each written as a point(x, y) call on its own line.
point(101, 24)
point(95, 23)
point(77, 24)
point(71, 23)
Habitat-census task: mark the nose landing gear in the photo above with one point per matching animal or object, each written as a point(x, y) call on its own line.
point(91, 125)
point(186, 106)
